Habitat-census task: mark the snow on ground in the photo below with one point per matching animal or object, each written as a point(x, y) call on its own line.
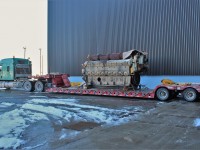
point(66, 102)
point(70, 109)
point(76, 79)
point(34, 147)
point(10, 142)
point(66, 133)
point(196, 122)
point(14, 122)
point(6, 104)
point(54, 112)
point(38, 96)
point(53, 101)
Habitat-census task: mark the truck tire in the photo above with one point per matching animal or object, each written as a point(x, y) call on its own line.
point(28, 86)
point(39, 86)
point(163, 94)
point(190, 95)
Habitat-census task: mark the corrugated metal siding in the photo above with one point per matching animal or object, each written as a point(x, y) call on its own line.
point(169, 30)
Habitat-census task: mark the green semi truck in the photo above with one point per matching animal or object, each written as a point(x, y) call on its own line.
point(12, 69)
point(16, 73)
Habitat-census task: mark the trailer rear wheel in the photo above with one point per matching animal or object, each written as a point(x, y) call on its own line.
point(28, 86)
point(163, 94)
point(39, 86)
point(190, 94)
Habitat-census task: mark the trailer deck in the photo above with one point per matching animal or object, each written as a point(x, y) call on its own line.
point(146, 93)
point(162, 92)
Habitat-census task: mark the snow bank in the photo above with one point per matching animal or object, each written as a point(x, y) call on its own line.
point(75, 79)
point(10, 142)
point(196, 122)
point(152, 81)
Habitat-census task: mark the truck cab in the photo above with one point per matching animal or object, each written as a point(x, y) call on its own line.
point(12, 69)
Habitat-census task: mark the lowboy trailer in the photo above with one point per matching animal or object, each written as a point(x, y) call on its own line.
point(115, 75)
point(118, 74)
point(162, 92)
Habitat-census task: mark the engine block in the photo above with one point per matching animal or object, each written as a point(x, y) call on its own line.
point(117, 69)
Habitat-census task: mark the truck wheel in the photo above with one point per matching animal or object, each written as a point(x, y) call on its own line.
point(28, 86)
point(163, 94)
point(190, 94)
point(39, 86)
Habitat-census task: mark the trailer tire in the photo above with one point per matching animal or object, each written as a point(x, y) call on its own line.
point(163, 94)
point(39, 86)
point(190, 95)
point(28, 86)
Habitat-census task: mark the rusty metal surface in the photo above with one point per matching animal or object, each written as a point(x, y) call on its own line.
point(115, 72)
point(113, 56)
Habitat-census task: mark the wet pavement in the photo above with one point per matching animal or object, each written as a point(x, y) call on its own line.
point(172, 125)
point(60, 121)
point(42, 120)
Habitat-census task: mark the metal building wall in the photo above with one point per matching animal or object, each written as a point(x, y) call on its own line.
point(169, 30)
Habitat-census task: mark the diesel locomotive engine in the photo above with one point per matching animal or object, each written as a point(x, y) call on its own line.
point(116, 69)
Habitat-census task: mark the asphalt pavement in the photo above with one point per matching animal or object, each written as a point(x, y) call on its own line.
point(59, 121)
